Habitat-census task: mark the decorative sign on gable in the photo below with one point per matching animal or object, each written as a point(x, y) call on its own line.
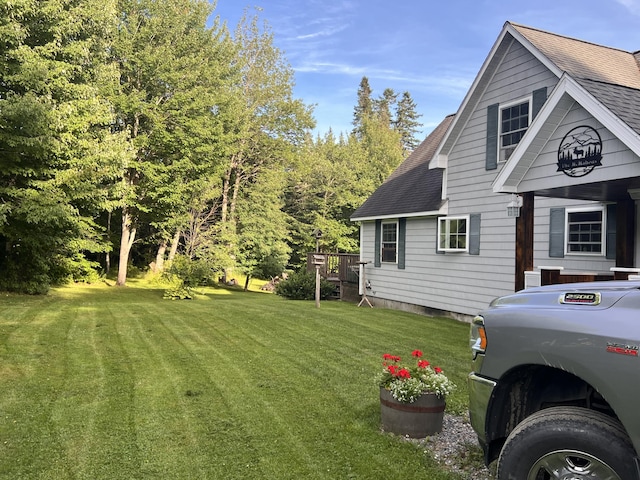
point(580, 152)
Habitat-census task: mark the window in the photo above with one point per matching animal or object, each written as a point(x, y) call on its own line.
point(585, 232)
point(514, 121)
point(453, 234)
point(389, 242)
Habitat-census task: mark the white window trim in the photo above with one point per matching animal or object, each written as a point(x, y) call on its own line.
point(446, 220)
point(603, 250)
point(394, 222)
point(528, 99)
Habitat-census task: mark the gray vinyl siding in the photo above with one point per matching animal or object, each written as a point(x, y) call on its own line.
point(446, 282)
point(617, 160)
point(570, 262)
point(464, 283)
point(476, 280)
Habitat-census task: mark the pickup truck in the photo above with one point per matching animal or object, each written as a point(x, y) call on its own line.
point(554, 391)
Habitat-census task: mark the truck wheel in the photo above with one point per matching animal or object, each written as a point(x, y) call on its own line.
point(567, 443)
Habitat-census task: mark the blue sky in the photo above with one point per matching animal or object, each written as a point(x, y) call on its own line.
point(432, 49)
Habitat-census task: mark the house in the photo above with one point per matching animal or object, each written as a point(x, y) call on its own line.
point(549, 131)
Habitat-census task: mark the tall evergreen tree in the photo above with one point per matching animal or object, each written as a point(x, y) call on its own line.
point(385, 104)
point(364, 106)
point(406, 122)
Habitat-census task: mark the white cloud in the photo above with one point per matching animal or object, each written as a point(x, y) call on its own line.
point(632, 5)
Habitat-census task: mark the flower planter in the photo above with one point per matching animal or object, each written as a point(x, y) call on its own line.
point(419, 419)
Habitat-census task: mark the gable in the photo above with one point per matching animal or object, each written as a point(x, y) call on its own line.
point(602, 70)
point(535, 163)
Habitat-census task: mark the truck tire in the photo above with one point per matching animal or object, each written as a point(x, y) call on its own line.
point(568, 442)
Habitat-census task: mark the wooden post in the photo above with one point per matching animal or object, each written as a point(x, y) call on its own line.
point(317, 286)
point(625, 233)
point(524, 240)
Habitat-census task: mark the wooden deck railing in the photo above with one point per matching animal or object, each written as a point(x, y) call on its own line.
point(337, 266)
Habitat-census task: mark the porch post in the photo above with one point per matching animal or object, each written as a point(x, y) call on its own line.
point(625, 233)
point(524, 240)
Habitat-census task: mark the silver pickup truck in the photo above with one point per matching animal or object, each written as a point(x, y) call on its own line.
point(555, 387)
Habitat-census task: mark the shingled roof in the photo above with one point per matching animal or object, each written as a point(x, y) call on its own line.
point(412, 188)
point(611, 75)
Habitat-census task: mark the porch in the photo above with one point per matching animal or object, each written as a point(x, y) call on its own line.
point(552, 275)
point(342, 269)
point(624, 247)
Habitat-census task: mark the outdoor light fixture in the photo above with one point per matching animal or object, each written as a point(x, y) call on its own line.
point(513, 207)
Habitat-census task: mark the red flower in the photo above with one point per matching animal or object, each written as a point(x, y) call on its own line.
point(423, 363)
point(404, 373)
point(416, 353)
point(392, 369)
point(393, 358)
point(437, 370)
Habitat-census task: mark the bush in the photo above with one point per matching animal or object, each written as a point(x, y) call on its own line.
point(191, 273)
point(185, 274)
point(302, 286)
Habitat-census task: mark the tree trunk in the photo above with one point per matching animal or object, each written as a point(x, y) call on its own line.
point(226, 186)
point(162, 248)
point(174, 246)
point(107, 259)
point(246, 282)
point(126, 241)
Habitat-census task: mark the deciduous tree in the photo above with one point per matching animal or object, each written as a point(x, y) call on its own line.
point(56, 149)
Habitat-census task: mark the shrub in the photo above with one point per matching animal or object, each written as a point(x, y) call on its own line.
point(191, 273)
point(302, 286)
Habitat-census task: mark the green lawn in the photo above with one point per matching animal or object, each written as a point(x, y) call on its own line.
point(117, 383)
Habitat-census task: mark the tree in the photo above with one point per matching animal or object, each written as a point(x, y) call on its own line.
point(264, 227)
point(406, 122)
point(57, 151)
point(383, 150)
point(385, 104)
point(269, 123)
point(170, 71)
point(364, 106)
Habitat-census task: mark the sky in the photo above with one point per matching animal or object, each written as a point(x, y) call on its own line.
point(431, 49)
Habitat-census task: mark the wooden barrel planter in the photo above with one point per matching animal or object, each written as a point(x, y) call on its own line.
point(419, 419)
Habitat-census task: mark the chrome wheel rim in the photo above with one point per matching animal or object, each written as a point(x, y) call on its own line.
point(571, 465)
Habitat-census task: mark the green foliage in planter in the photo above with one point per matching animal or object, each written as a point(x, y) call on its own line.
point(302, 286)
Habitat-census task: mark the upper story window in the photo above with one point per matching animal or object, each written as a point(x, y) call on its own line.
point(453, 234)
point(585, 231)
point(389, 242)
point(514, 121)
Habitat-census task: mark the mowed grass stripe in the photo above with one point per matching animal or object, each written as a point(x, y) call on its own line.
point(229, 386)
point(228, 361)
point(93, 412)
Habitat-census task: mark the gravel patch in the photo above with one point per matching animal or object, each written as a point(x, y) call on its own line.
point(456, 448)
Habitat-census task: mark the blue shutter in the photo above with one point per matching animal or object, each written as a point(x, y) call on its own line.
point(539, 97)
point(377, 245)
point(474, 234)
point(611, 231)
point(492, 137)
point(402, 234)
point(556, 233)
